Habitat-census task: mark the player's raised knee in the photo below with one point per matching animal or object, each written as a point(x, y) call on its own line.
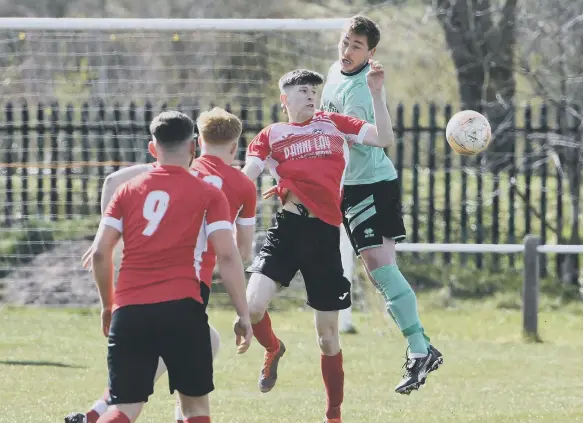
point(327, 332)
point(257, 307)
point(194, 406)
point(260, 291)
point(256, 316)
point(329, 343)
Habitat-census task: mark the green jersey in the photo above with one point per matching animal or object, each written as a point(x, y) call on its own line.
point(349, 94)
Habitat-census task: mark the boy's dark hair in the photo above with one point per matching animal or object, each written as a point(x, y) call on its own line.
point(300, 77)
point(172, 128)
point(362, 25)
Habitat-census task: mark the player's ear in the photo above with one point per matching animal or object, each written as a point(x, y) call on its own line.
point(284, 99)
point(372, 52)
point(233, 148)
point(152, 149)
point(193, 152)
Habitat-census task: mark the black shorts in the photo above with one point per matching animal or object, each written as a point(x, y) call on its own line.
point(311, 246)
point(205, 294)
point(371, 212)
point(177, 331)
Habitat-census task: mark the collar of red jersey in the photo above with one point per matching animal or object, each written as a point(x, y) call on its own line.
point(306, 122)
point(209, 158)
point(169, 168)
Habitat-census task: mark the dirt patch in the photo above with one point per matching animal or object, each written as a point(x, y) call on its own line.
point(54, 277)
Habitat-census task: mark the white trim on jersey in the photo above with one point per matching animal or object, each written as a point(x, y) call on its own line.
point(200, 248)
point(347, 156)
point(272, 166)
point(114, 223)
point(215, 226)
point(255, 160)
point(245, 221)
point(362, 132)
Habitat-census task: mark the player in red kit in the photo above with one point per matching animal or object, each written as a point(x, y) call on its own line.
point(308, 156)
point(165, 217)
point(219, 132)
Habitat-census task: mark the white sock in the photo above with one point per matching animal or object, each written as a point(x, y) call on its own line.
point(100, 407)
point(417, 355)
point(178, 413)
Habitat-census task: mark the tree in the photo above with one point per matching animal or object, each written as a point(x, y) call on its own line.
point(493, 41)
point(550, 57)
point(481, 36)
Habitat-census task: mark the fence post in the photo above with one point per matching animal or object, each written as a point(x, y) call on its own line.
point(10, 171)
point(530, 285)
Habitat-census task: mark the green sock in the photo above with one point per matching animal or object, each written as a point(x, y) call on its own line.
point(402, 306)
point(426, 337)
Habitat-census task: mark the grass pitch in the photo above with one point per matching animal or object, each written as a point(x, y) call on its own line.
point(52, 361)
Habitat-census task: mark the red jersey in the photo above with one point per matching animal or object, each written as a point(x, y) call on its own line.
point(165, 217)
point(310, 159)
point(241, 196)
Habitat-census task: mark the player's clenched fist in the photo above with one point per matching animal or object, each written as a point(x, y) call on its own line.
point(106, 320)
point(243, 334)
point(375, 76)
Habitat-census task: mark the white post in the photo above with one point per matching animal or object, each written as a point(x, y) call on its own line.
point(348, 259)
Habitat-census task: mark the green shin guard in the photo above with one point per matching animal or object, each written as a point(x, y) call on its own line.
point(401, 304)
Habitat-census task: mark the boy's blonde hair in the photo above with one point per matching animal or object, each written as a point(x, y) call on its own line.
point(218, 126)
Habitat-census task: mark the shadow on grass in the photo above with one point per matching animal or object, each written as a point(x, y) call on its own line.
point(38, 363)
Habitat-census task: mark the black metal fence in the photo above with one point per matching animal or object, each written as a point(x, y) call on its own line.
point(54, 160)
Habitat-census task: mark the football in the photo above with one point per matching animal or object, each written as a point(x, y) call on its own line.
point(468, 132)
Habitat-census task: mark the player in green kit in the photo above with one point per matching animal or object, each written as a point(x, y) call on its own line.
point(371, 203)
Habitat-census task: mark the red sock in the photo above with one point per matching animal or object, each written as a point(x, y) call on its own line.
point(114, 416)
point(265, 335)
point(198, 419)
point(334, 381)
point(92, 416)
point(99, 407)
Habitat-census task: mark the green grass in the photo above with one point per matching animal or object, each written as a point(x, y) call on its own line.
point(53, 362)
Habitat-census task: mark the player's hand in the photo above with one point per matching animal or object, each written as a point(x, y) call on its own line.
point(275, 190)
point(86, 259)
point(243, 334)
point(106, 320)
point(375, 76)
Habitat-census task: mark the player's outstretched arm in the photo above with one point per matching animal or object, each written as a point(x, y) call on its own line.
point(103, 270)
point(244, 237)
point(231, 271)
point(111, 183)
point(381, 135)
point(245, 222)
point(252, 171)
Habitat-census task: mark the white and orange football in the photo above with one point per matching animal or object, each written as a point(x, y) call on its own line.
point(468, 132)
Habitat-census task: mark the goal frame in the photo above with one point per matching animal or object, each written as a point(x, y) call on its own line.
point(170, 25)
point(120, 25)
